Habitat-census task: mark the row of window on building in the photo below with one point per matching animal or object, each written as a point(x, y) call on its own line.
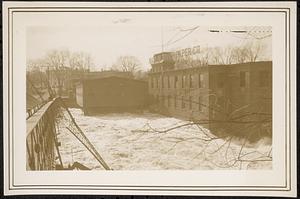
point(184, 81)
point(188, 81)
point(182, 102)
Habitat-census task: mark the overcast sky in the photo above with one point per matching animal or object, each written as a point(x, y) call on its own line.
point(129, 35)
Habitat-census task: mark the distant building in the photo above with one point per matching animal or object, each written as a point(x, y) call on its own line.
point(111, 93)
point(214, 95)
point(61, 80)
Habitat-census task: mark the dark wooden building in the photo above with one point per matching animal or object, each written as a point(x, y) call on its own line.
point(111, 94)
point(235, 97)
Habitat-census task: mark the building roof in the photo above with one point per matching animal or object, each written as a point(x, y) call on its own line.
point(208, 67)
point(111, 77)
point(104, 74)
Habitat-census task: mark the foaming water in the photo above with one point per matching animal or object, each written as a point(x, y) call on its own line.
point(129, 141)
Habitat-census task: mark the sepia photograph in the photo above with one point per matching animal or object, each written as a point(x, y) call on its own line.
point(149, 98)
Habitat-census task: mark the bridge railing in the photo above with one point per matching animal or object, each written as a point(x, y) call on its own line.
point(41, 141)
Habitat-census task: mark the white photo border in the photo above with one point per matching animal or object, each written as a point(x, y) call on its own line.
point(13, 188)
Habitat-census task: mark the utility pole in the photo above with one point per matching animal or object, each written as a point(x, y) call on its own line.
point(162, 39)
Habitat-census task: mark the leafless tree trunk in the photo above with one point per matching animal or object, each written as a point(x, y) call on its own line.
point(127, 64)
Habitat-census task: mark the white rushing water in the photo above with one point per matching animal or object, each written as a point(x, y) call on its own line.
point(128, 142)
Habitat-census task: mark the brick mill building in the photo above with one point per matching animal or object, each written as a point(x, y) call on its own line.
point(218, 96)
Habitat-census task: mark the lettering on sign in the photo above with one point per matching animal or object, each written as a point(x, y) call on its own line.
point(186, 52)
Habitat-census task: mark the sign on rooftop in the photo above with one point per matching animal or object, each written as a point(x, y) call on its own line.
point(186, 52)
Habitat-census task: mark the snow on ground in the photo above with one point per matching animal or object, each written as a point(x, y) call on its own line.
point(129, 142)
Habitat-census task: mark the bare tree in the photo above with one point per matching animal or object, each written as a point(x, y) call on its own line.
point(255, 50)
point(240, 54)
point(35, 72)
point(57, 59)
point(248, 52)
point(222, 150)
point(58, 66)
point(57, 63)
point(80, 61)
point(127, 64)
point(251, 51)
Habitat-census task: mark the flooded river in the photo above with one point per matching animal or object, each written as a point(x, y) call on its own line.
point(138, 142)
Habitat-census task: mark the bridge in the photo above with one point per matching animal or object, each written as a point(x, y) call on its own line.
point(42, 145)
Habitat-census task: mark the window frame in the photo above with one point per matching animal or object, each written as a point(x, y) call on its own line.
point(182, 102)
point(191, 80)
point(245, 81)
point(200, 80)
point(200, 108)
